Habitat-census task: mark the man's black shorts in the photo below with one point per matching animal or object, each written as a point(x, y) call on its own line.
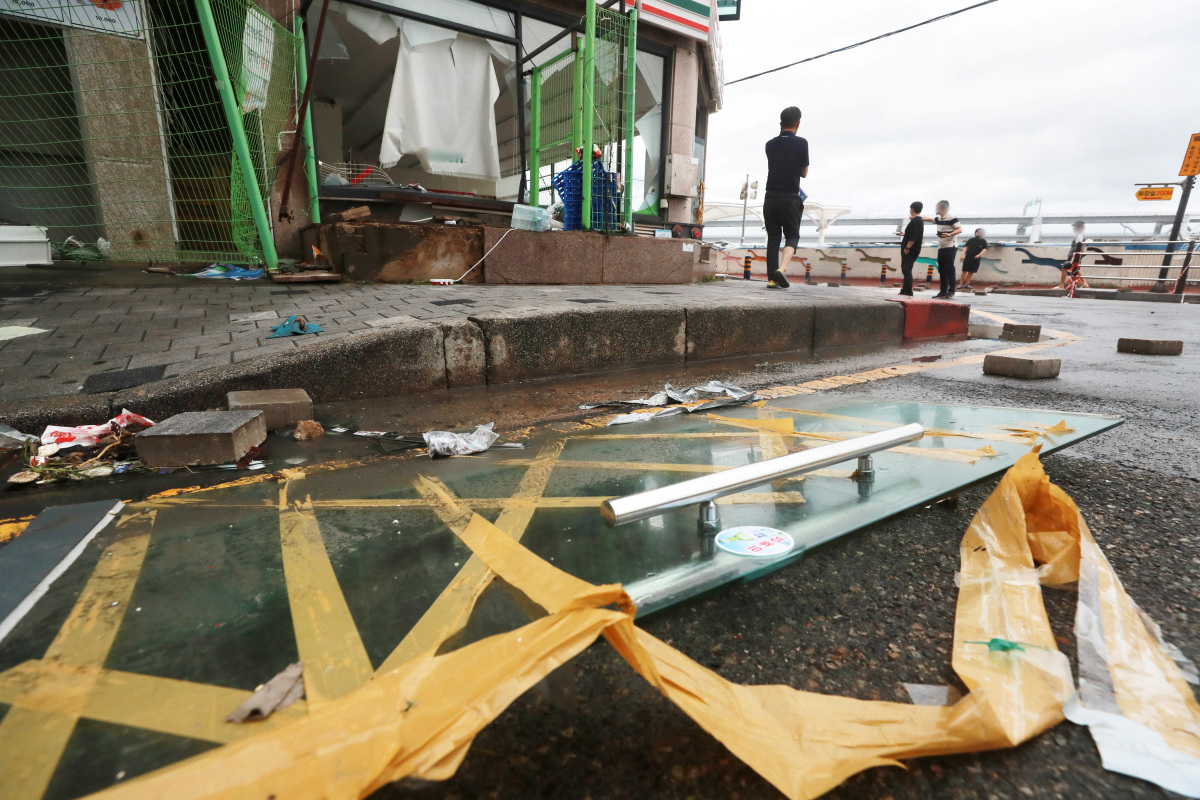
point(970, 265)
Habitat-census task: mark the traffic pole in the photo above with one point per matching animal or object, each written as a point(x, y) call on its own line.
point(1176, 227)
point(807, 271)
point(929, 277)
point(746, 266)
point(882, 275)
point(845, 266)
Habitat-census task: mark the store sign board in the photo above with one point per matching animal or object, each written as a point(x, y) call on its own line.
point(120, 17)
point(689, 17)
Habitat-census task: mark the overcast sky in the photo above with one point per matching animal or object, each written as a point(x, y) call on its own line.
point(1072, 101)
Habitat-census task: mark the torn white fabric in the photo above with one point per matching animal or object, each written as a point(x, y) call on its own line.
point(442, 106)
point(379, 26)
point(928, 694)
point(445, 443)
point(1131, 748)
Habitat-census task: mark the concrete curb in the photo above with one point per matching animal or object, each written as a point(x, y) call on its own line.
point(410, 357)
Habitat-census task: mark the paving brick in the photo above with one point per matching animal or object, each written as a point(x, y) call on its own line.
point(1020, 333)
point(282, 408)
point(1025, 367)
point(197, 364)
point(162, 357)
point(1151, 347)
point(201, 341)
point(201, 437)
point(135, 348)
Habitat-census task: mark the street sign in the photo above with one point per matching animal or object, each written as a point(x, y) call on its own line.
point(1191, 159)
point(729, 10)
point(1156, 193)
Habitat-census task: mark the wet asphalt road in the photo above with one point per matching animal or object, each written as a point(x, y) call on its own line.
point(873, 610)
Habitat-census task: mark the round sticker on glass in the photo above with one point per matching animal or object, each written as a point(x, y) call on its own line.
point(754, 540)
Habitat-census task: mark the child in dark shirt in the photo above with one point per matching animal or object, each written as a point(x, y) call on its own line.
point(976, 247)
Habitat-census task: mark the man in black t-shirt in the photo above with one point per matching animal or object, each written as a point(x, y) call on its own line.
point(783, 203)
point(976, 247)
point(910, 245)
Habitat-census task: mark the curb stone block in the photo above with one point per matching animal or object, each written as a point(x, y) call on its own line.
point(466, 354)
point(1021, 333)
point(721, 331)
point(282, 408)
point(1024, 367)
point(201, 437)
point(523, 345)
point(1151, 347)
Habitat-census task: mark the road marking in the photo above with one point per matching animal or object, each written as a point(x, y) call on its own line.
point(35, 731)
point(335, 660)
point(449, 612)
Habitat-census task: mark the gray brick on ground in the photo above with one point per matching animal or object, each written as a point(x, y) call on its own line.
point(196, 364)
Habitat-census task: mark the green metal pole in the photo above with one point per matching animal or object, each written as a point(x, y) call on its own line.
point(577, 102)
point(535, 138)
point(233, 118)
point(630, 91)
point(589, 113)
point(310, 158)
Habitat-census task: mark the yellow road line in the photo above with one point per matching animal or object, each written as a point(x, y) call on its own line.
point(179, 708)
point(449, 612)
point(36, 729)
point(335, 661)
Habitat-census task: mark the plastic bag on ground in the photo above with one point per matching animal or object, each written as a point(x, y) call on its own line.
point(445, 443)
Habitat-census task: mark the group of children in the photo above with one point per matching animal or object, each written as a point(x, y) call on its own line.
point(948, 231)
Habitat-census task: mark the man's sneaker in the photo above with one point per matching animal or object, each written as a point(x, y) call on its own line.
point(772, 285)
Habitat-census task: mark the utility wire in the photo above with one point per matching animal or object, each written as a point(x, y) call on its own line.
point(860, 44)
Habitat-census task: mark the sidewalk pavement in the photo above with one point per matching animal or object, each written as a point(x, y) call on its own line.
point(195, 327)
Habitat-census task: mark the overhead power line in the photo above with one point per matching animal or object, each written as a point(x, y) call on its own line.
point(860, 44)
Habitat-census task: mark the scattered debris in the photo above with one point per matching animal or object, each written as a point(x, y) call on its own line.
point(227, 272)
point(671, 401)
point(359, 212)
point(294, 326)
point(307, 430)
point(61, 453)
point(445, 443)
point(13, 439)
point(276, 694)
point(927, 359)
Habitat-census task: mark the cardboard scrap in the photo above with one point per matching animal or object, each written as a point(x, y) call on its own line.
point(419, 719)
point(280, 692)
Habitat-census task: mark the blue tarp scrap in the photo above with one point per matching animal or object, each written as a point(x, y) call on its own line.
point(294, 326)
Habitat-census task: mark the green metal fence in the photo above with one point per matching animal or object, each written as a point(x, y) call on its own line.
point(595, 81)
point(116, 133)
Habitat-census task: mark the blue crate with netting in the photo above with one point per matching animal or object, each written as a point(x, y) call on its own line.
point(606, 197)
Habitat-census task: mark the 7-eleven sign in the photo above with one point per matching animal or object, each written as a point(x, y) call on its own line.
point(689, 17)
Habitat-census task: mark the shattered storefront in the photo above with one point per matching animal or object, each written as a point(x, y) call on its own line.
point(434, 104)
point(156, 131)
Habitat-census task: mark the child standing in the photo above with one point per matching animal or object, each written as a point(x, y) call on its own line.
point(976, 247)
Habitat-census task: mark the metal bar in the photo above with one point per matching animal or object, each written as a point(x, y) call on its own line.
point(535, 138)
point(233, 117)
point(630, 91)
point(1119, 278)
point(438, 21)
point(577, 100)
point(1176, 225)
point(310, 154)
point(588, 115)
point(709, 487)
point(302, 113)
point(1182, 281)
point(519, 23)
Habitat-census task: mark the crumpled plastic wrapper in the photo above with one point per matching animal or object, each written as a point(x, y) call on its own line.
point(445, 443)
point(420, 719)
